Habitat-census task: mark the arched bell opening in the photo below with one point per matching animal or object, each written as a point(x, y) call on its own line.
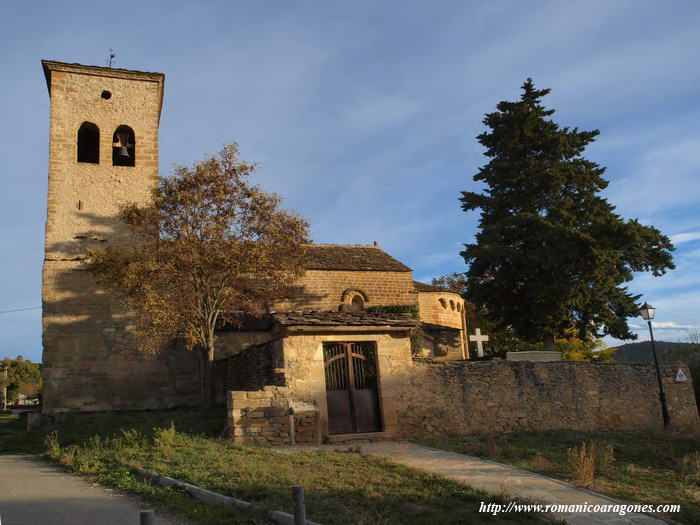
point(124, 147)
point(89, 143)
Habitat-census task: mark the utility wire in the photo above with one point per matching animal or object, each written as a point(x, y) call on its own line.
point(19, 309)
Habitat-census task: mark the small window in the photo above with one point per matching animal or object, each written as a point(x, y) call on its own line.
point(443, 303)
point(459, 307)
point(89, 143)
point(357, 304)
point(452, 304)
point(124, 147)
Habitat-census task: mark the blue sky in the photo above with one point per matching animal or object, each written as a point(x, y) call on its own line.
point(363, 115)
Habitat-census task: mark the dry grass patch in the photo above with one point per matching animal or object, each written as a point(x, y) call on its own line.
point(637, 467)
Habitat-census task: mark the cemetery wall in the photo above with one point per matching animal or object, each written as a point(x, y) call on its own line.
point(460, 397)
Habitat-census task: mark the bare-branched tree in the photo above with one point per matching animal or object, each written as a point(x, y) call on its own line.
point(208, 245)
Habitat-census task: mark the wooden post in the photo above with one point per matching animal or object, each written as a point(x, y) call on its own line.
point(148, 517)
point(299, 507)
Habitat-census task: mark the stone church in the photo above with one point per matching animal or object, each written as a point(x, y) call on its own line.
point(339, 357)
point(336, 344)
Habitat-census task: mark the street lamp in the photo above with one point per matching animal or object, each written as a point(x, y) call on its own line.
point(647, 312)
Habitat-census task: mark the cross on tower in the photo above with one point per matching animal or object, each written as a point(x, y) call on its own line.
point(479, 339)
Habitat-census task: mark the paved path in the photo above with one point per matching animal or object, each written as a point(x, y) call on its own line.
point(35, 493)
point(497, 478)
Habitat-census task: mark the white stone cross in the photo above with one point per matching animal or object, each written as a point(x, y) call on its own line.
point(479, 339)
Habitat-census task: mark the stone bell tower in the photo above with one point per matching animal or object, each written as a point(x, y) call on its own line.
point(103, 152)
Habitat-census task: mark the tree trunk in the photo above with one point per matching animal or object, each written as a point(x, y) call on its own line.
point(548, 341)
point(206, 376)
point(202, 377)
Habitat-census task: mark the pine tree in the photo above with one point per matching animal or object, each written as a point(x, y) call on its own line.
point(551, 254)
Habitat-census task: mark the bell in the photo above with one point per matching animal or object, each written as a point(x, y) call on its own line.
point(123, 144)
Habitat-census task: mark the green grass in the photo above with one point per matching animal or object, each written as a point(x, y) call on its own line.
point(647, 467)
point(340, 487)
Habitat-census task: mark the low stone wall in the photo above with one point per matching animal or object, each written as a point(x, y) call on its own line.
point(252, 369)
point(462, 397)
point(268, 416)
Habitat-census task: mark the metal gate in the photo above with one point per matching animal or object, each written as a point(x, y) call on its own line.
point(351, 388)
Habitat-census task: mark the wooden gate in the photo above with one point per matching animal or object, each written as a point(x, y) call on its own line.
point(352, 388)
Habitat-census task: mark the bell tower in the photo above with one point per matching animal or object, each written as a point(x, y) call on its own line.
point(103, 152)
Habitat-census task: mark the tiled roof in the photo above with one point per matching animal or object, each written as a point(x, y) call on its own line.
point(314, 318)
point(351, 257)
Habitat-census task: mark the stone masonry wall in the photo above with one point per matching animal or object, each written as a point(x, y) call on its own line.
point(266, 417)
point(305, 372)
point(433, 311)
point(91, 357)
point(503, 396)
point(250, 370)
point(322, 289)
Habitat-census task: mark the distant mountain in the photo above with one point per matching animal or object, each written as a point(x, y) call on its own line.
point(641, 352)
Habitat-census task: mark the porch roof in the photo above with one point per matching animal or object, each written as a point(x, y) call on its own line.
point(339, 319)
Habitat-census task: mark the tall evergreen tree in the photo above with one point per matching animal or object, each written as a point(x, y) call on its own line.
point(551, 253)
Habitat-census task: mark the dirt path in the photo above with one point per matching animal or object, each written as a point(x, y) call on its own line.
point(35, 493)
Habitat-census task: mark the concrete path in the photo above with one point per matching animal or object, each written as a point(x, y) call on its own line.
point(35, 493)
point(497, 478)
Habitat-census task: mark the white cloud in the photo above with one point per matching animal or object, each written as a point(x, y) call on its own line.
point(680, 238)
point(671, 325)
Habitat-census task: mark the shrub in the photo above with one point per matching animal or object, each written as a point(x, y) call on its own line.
point(589, 460)
point(687, 468)
point(492, 449)
point(540, 463)
point(165, 437)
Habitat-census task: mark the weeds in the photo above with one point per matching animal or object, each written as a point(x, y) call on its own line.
point(493, 450)
point(589, 460)
point(541, 464)
point(687, 468)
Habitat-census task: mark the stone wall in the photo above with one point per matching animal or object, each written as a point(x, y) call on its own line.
point(323, 289)
point(268, 417)
point(252, 369)
point(232, 342)
point(504, 396)
point(91, 358)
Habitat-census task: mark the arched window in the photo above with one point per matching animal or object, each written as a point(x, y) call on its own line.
point(443, 302)
point(357, 304)
point(89, 143)
point(124, 147)
point(459, 307)
point(452, 304)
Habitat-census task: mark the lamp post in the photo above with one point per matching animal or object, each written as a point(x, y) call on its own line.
point(647, 312)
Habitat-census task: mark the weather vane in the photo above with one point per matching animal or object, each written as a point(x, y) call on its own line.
point(112, 56)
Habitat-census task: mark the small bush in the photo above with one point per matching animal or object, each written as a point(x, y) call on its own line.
point(165, 437)
point(604, 459)
point(541, 464)
point(582, 463)
point(53, 447)
point(590, 460)
point(492, 449)
point(687, 468)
